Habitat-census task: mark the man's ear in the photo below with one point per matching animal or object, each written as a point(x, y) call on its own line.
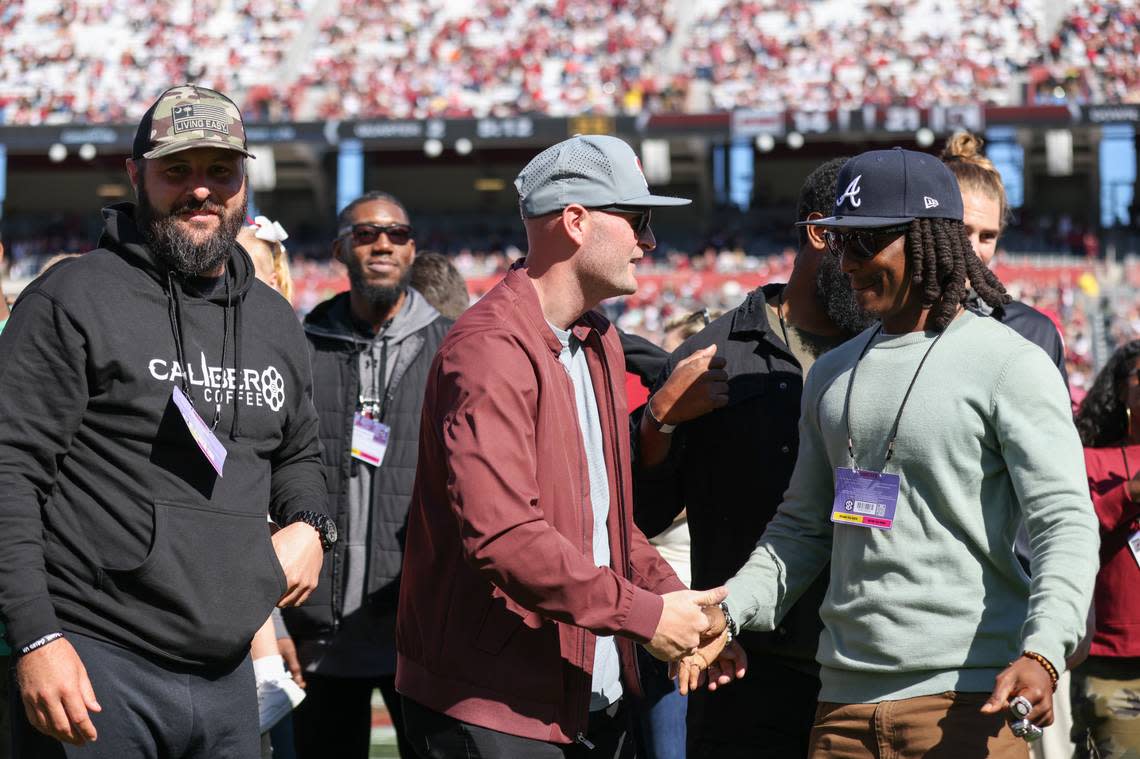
point(133, 169)
point(575, 219)
point(815, 234)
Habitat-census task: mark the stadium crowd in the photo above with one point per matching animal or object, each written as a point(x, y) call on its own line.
point(64, 61)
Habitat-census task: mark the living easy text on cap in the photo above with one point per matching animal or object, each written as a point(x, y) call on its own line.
point(186, 117)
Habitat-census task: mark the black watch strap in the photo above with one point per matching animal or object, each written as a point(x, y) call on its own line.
point(322, 523)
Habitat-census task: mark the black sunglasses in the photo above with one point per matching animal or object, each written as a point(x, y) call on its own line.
point(368, 234)
point(639, 218)
point(862, 243)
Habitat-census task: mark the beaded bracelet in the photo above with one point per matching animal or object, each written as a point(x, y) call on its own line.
point(1048, 665)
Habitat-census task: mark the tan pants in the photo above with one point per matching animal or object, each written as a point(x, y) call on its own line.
point(943, 726)
point(1106, 707)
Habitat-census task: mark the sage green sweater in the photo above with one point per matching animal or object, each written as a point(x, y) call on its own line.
point(939, 602)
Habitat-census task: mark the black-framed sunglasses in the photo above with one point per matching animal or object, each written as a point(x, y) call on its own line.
point(368, 234)
point(638, 218)
point(862, 243)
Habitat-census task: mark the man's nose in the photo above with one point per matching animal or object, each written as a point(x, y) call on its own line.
point(647, 241)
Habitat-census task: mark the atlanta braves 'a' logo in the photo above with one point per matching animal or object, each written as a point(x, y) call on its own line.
point(851, 192)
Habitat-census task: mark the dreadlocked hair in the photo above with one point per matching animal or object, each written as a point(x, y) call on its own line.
point(1101, 419)
point(943, 261)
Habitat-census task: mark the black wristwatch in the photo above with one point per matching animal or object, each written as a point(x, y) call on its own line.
point(322, 523)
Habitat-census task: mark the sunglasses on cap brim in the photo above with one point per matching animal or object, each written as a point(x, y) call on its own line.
point(368, 234)
point(862, 243)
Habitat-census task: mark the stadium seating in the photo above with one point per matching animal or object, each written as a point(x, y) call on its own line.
point(103, 61)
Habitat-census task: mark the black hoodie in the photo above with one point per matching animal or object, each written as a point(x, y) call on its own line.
point(112, 522)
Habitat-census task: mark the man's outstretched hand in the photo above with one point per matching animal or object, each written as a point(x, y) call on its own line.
point(714, 663)
point(682, 623)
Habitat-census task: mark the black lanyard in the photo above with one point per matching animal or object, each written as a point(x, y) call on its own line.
point(898, 416)
point(1127, 471)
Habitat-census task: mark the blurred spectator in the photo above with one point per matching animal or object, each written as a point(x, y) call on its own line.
point(66, 61)
point(265, 243)
point(441, 284)
point(276, 670)
point(1105, 685)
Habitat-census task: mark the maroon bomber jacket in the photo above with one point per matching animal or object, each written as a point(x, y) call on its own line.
point(500, 600)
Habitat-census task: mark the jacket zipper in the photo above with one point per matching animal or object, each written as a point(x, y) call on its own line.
point(354, 391)
point(580, 738)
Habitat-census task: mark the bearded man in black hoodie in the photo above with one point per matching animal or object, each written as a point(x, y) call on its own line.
point(157, 404)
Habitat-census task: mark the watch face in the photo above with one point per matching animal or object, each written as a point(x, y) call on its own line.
point(330, 531)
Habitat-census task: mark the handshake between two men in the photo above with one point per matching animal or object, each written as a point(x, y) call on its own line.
point(694, 636)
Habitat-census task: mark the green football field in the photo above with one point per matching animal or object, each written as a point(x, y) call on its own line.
point(383, 734)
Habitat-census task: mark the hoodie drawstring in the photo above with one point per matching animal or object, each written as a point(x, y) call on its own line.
point(222, 363)
point(235, 426)
point(174, 311)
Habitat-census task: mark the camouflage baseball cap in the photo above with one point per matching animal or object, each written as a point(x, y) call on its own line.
point(186, 117)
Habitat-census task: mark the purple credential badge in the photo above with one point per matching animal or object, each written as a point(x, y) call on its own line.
point(864, 498)
point(212, 448)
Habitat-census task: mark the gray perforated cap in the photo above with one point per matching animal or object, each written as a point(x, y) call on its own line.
point(593, 170)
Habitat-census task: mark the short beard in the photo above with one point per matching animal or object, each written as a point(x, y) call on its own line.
point(175, 248)
point(834, 294)
point(380, 297)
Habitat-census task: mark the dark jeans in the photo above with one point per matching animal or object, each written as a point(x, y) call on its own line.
point(768, 714)
point(437, 736)
point(281, 738)
point(151, 711)
point(335, 719)
point(659, 715)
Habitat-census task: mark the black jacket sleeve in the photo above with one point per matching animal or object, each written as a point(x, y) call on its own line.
point(43, 394)
point(658, 495)
point(298, 480)
point(1038, 329)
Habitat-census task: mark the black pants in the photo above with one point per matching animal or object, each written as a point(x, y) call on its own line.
point(437, 736)
point(151, 711)
point(335, 719)
point(767, 715)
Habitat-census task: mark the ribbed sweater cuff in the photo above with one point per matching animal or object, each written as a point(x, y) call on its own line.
point(31, 620)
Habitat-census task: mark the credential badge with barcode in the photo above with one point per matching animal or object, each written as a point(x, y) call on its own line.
point(194, 116)
point(864, 498)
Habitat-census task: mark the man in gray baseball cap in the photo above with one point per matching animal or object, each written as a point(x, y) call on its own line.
point(523, 497)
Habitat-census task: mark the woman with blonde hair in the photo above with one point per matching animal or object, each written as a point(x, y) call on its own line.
point(264, 241)
point(275, 666)
point(985, 212)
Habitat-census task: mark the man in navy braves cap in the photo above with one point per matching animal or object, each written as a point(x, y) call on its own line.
point(924, 442)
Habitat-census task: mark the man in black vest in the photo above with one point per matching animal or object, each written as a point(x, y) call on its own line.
point(729, 468)
point(371, 348)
